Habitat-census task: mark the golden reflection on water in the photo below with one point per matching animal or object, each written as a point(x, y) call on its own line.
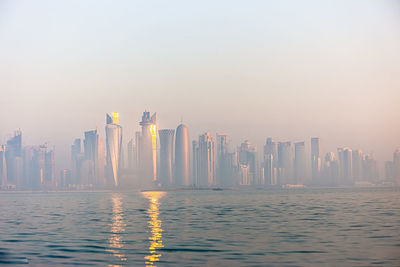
point(155, 227)
point(117, 227)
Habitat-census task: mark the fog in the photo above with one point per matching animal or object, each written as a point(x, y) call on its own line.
point(283, 69)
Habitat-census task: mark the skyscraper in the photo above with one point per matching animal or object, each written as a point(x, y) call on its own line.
point(357, 160)
point(315, 158)
point(222, 177)
point(248, 156)
point(270, 162)
point(330, 170)
point(3, 166)
point(76, 160)
point(91, 147)
point(132, 154)
point(299, 163)
point(148, 149)
point(182, 173)
point(346, 165)
point(114, 146)
point(205, 161)
point(13, 159)
point(166, 156)
point(285, 175)
point(195, 151)
point(396, 166)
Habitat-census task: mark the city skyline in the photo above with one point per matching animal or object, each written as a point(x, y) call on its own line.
point(164, 158)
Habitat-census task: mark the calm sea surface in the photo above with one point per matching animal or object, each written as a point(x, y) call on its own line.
point(300, 227)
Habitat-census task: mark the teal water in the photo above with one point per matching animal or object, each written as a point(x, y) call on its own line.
point(300, 227)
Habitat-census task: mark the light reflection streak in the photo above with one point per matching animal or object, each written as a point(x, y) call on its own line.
point(117, 227)
point(155, 226)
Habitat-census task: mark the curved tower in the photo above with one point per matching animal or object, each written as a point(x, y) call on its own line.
point(148, 148)
point(182, 156)
point(166, 155)
point(114, 145)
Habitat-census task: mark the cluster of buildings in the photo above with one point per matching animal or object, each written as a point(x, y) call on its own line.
point(26, 168)
point(166, 158)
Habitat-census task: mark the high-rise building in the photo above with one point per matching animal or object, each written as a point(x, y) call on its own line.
point(28, 165)
point(132, 155)
point(166, 156)
point(248, 156)
point(222, 171)
point(114, 147)
point(369, 168)
point(357, 161)
point(396, 166)
point(182, 170)
point(270, 162)
point(91, 151)
point(65, 178)
point(14, 159)
point(330, 170)
point(315, 158)
point(300, 171)
point(346, 165)
point(148, 149)
point(39, 167)
point(244, 174)
point(205, 161)
point(389, 170)
point(76, 160)
point(101, 164)
point(49, 177)
point(195, 151)
point(285, 172)
point(3, 166)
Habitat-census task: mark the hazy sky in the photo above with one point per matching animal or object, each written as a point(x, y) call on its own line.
point(252, 69)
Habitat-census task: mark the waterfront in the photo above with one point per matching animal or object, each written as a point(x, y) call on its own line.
point(302, 227)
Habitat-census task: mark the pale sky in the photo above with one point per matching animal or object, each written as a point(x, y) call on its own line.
point(253, 69)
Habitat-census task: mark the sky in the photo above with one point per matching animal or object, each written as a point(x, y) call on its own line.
point(252, 69)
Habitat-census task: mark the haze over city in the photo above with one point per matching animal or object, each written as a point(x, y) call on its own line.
point(288, 70)
point(200, 133)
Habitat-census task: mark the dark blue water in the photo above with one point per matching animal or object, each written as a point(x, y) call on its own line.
point(301, 227)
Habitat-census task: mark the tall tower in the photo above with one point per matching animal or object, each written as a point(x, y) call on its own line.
point(166, 156)
point(270, 161)
point(205, 161)
point(148, 148)
point(91, 147)
point(396, 166)
point(315, 158)
point(3, 166)
point(182, 175)
point(285, 163)
point(299, 163)
point(114, 146)
point(248, 157)
point(346, 165)
point(221, 160)
point(13, 156)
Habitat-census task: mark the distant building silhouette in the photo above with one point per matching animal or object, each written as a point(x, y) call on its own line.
point(300, 170)
point(315, 159)
point(285, 173)
point(166, 156)
point(270, 162)
point(248, 157)
point(205, 168)
point(148, 149)
point(182, 165)
point(114, 147)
